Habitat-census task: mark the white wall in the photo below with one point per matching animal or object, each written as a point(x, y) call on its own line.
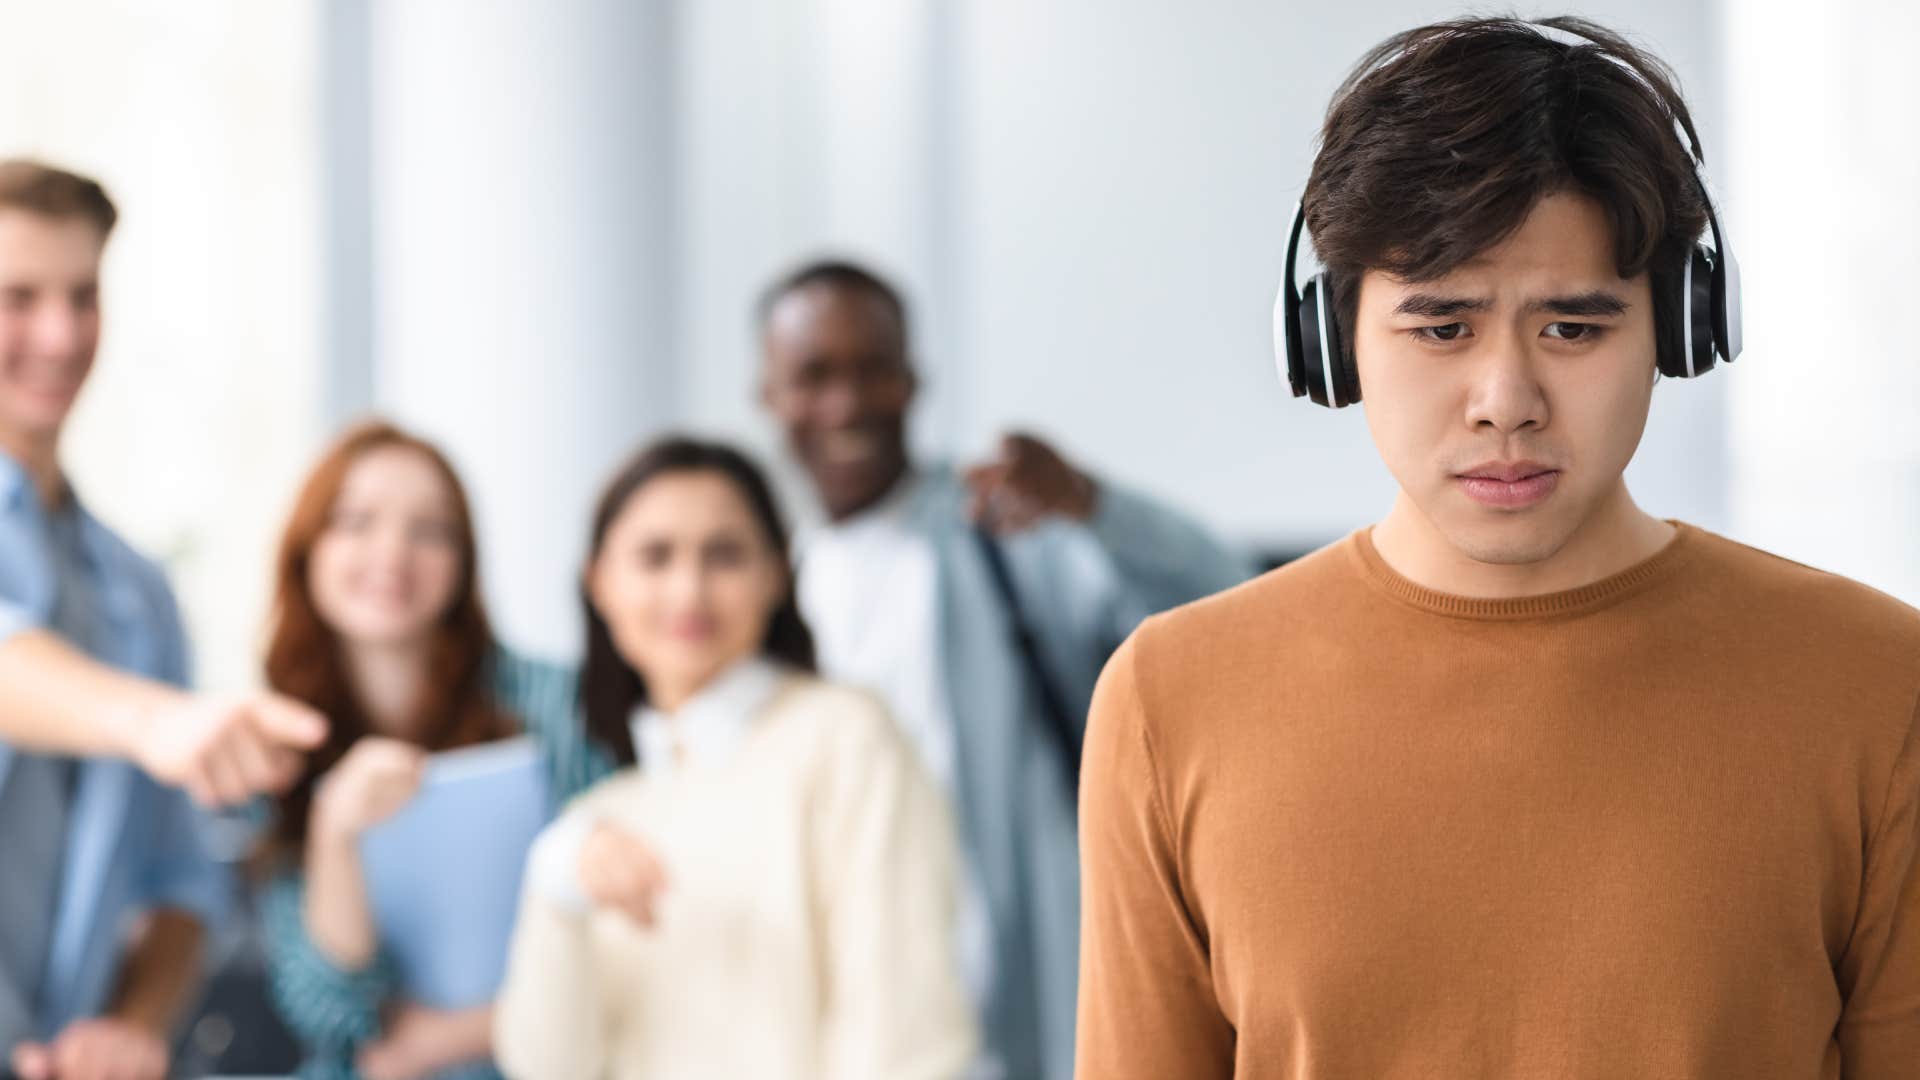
point(560, 214)
point(524, 294)
point(1826, 431)
point(1084, 201)
point(195, 424)
point(810, 127)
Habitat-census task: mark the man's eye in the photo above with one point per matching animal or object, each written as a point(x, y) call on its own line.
point(1573, 331)
point(1449, 332)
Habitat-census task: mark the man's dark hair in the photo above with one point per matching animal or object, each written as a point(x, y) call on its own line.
point(1443, 138)
point(833, 273)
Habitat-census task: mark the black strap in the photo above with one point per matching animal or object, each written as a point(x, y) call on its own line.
point(1060, 727)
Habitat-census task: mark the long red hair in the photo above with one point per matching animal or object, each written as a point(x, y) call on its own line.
point(304, 657)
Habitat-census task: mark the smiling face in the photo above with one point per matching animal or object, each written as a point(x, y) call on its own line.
point(49, 321)
point(1508, 396)
point(838, 382)
point(387, 569)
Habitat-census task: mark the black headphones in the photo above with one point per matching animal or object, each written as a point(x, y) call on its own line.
point(1318, 362)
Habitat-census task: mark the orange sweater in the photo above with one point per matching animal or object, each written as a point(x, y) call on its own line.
point(1335, 825)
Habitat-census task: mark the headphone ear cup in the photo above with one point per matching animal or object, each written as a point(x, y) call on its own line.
point(1286, 341)
point(1314, 332)
point(1688, 348)
point(1700, 308)
point(1344, 372)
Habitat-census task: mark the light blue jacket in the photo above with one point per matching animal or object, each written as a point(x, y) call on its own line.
point(1083, 588)
point(132, 845)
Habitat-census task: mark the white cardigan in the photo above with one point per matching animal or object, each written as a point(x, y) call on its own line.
point(804, 933)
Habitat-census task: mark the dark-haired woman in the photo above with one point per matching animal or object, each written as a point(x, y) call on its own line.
point(378, 623)
point(765, 889)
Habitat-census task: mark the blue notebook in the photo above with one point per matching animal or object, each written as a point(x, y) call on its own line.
point(444, 873)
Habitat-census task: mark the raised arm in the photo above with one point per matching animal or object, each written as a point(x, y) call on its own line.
point(55, 699)
point(1162, 557)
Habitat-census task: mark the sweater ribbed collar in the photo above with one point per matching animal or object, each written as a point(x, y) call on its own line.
point(1586, 598)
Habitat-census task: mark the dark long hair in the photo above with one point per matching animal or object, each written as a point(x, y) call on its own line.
point(610, 689)
point(304, 657)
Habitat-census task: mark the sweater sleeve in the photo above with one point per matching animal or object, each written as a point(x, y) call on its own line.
point(330, 1010)
point(1147, 1004)
point(895, 1005)
point(1879, 975)
point(548, 1021)
point(1163, 558)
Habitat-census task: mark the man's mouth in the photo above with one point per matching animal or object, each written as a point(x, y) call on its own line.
point(52, 386)
point(847, 448)
point(1508, 485)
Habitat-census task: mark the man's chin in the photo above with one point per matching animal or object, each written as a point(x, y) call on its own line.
point(847, 491)
point(1506, 539)
point(35, 423)
point(847, 487)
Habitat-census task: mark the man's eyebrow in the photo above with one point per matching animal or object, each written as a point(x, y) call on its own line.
point(1433, 306)
point(1592, 304)
point(1598, 302)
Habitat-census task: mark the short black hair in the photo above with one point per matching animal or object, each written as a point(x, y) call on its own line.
point(838, 274)
point(1443, 139)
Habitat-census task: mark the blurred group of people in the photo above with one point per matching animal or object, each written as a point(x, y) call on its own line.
point(1520, 781)
point(812, 798)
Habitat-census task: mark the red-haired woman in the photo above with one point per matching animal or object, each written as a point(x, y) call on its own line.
point(378, 623)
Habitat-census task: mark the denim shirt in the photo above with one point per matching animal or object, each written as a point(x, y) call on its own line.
point(131, 844)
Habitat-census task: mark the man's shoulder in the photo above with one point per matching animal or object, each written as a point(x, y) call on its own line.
point(126, 557)
point(122, 564)
point(1816, 604)
point(1260, 617)
point(118, 564)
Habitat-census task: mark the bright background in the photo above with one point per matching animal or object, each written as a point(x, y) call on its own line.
point(535, 229)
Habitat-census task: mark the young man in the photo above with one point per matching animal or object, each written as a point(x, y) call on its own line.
point(1521, 781)
point(917, 587)
point(91, 654)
